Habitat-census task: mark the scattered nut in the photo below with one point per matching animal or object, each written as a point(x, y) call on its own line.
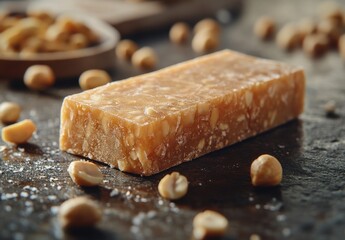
point(179, 33)
point(39, 77)
point(332, 11)
point(85, 173)
point(307, 27)
point(93, 78)
point(204, 42)
point(254, 237)
point(208, 25)
point(289, 37)
point(125, 49)
point(266, 171)
point(79, 212)
point(315, 45)
point(328, 28)
point(330, 108)
point(18, 133)
point(9, 112)
point(173, 186)
point(209, 224)
point(144, 58)
point(264, 27)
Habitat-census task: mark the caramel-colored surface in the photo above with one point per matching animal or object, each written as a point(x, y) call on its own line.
point(152, 122)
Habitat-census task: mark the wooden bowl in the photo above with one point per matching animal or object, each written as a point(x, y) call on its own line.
point(64, 64)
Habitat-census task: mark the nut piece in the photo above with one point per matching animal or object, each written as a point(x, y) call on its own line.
point(173, 186)
point(209, 224)
point(125, 49)
point(179, 33)
point(93, 78)
point(9, 112)
point(144, 58)
point(39, 77)
point(266, 171)
point(332, 11)
point(264, 27)
point(330, 108)
point(79, 212)
point(78, 41)
point(19, 132)
point(307, 27)
point(315, 45)
point(205, 41)
point(44, 16)
point(85, 173)
point(289, 37)
point(208, 25)
point(330, 29)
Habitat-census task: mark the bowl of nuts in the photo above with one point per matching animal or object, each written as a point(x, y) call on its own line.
point(68, 43)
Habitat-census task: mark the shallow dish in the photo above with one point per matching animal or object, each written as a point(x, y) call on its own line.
point(69, 63)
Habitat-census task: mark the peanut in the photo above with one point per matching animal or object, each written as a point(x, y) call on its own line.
point(78, 41)
point(289, 37)
point(204, 41)
point(18, 133)
point(93, 78)
point(315, 45)
point(39, 77)
point(23, 29)
point(179, 33)
point(9, 112)
point(85, 173)
point(208, 25)
point(209, 224)
point(125, 49)
point(54, 35)
point(173, 186)
point(45, 17)
point(332, 11)
point(330, 108)
point(330, 29)
point(79, 212)
point(264, 27)
point(144, 58)
point(266, 171)
point(307, 27)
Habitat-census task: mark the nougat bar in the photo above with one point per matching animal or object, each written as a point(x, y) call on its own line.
point(151, 122)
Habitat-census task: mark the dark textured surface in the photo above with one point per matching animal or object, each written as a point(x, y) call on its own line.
point(309, 204)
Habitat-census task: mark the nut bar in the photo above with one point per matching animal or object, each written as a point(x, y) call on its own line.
point(149, 123)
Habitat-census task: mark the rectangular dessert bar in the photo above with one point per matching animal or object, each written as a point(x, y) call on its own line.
point(152, 122)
